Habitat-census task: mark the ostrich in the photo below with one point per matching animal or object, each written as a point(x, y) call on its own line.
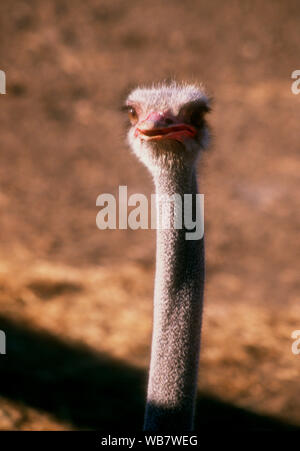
point(167, 133)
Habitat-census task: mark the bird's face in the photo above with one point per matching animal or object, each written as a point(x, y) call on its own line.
point(167, 124)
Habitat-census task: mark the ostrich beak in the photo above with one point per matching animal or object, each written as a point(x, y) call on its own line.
point(158, 126)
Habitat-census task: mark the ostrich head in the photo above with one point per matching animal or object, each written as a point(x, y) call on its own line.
point(168, 129)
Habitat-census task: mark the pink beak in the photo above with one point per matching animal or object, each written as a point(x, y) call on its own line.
point(159, 126)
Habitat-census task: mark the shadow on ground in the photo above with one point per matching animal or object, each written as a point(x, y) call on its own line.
point(93, 391)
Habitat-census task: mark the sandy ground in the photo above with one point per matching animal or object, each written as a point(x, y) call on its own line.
point(76, 302)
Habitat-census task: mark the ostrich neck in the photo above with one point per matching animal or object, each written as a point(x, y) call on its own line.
point(178, 297)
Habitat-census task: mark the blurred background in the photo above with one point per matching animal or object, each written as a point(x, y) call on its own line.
point(76, 302)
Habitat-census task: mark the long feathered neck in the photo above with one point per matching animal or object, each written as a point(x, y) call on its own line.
point(178, 298)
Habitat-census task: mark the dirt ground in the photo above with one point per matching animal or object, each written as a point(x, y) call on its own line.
point(76, 302)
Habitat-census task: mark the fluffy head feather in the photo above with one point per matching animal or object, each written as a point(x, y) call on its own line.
point(163, 96)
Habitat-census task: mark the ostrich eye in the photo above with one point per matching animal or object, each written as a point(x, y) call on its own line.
point(197, 117)
point(194, 113)
point(132, 114)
